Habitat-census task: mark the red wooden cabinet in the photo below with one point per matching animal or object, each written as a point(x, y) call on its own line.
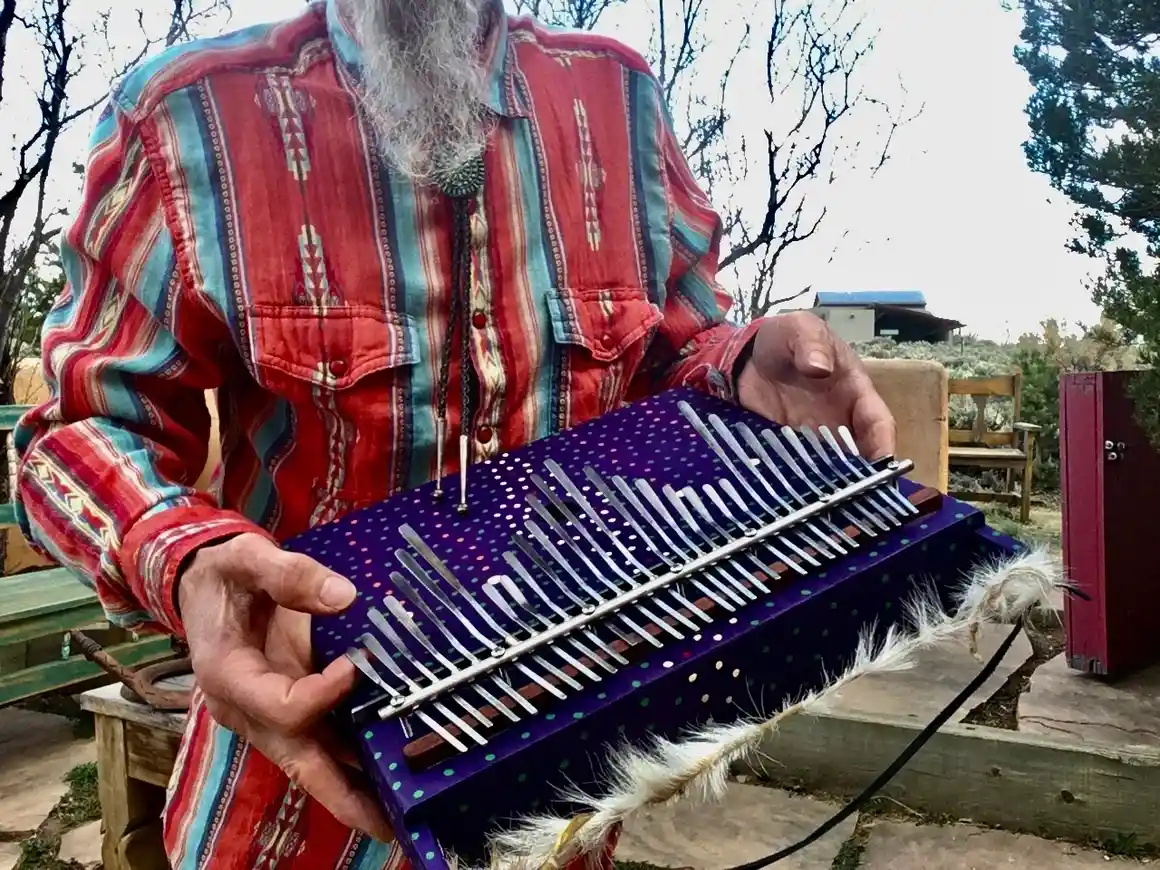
point(1110, 482)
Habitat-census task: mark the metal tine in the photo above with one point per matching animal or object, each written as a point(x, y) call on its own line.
point(720, 504)
point(383, 655)
point(575, 547)
point(773, 441)
point(548, 546)
point(408, 562)
point(689, 495)
point(724, 587)
point(792, 437)
point(754, 444)
point(853, 450)
point(826, 543)
point(738, 591)
point(548, 571)
point(730, 490)
point(689, 520)
point(517, 595)
point(396, 608)
point(559, 612)
point(440, 567)
point(847, 477)
point(495, 589)
point(617, 505)
point(359, 659)
point(400, 613)
point(557, 503)
point(380, 622)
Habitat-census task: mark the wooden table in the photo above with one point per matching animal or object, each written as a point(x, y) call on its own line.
point(136, 750)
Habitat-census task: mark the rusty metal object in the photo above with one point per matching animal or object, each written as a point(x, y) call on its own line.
point(139, 686)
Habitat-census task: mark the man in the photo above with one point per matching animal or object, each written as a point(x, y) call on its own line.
point(299, 217)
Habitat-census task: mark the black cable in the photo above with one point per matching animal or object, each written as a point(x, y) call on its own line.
point(883, 778)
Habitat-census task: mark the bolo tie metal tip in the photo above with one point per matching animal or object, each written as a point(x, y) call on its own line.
point(440, 432)
point(464, 459)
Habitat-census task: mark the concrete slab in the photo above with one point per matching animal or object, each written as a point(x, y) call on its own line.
point(36, 751)
point(9, 855)
point(749, 823)
point(898, 846)
point(1088, 710)
point(938, 675)
point(82, 846)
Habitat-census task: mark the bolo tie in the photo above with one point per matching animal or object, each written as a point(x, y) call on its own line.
point(461, 185)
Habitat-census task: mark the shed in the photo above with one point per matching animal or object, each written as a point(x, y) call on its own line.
point(863, 315)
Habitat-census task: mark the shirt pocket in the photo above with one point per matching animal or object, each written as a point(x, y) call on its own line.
point(602, 336)
point(344, 372)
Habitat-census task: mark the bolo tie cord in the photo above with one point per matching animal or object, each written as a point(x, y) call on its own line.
point(460, 186)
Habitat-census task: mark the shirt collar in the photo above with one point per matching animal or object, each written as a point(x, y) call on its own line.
point(502, 95)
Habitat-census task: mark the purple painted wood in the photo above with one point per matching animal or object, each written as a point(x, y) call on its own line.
point(1109, 471)
point(745, 663)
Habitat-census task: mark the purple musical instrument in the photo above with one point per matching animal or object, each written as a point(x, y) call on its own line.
point(676, 561)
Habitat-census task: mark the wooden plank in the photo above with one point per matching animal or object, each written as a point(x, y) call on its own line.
point(86, 617)
point(25, 596)
point(10, 415)
point(1020, 782)
point(986, 496)
point(56, 676)
point(1003, 385)
point(108, 701)
point(990, 439)
point(151, 753)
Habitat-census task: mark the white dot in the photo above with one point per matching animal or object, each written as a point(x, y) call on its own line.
point(736, 673)
point(667, 664)
point(719, 665)
point(704, 699)
point(692, 678)
point(729, 699)
point(716, 637)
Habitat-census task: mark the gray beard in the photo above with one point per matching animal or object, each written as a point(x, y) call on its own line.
point(423, 86)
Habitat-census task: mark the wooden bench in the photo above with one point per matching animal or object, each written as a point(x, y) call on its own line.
point(1012, 450)
point(136, 751)
point(37, 610)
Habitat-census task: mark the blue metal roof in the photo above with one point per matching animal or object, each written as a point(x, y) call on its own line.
point(870, 297)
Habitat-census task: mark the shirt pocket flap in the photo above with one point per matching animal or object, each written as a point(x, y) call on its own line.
point(604, 322)
point(332, 348)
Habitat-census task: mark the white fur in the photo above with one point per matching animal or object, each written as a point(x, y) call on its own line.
point(697, 767)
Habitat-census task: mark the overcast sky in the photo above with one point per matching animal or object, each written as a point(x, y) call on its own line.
point(956, 213)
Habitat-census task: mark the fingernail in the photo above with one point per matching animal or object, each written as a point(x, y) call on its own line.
point(820, 361)
point(336, 593)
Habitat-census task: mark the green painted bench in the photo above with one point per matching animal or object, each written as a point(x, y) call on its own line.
point(38, 609)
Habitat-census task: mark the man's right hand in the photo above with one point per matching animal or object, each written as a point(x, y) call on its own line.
point(246, 607)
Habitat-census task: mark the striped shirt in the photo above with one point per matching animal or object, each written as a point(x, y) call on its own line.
point(241, 232)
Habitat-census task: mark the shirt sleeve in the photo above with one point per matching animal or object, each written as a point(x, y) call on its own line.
point(106, 465)
point(695, 345)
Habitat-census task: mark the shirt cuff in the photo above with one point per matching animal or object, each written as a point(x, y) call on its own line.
point(713, 360)
point(156, 549)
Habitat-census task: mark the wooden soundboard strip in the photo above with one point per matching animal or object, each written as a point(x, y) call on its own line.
point(431, 749)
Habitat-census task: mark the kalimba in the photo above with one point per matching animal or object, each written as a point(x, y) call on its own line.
point(674, 562)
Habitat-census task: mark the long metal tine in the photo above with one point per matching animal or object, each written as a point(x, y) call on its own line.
point(545, 542)
point(721, 506)
point(588, 537)
point(742, 576)
point(723, 588)
point(499, 592)
point(359, 659)
point(617, 505)
point(441, 569)
point(428, 583)
point(852, 446)
point(380, 652)
point(823, 537)
point(730, 490)
point(586, 506)
point(796, 443)
point(560, 613)
point(888, 508)
point(690, 495)
point(786, 540)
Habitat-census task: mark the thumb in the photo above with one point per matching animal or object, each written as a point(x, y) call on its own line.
point(813, 348)
point(297, 582)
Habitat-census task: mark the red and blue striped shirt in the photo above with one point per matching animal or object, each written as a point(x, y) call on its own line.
point(240, 232)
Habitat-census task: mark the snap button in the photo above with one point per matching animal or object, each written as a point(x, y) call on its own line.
point(338, 367)
point(483, 434)
point(606, 341)
point(479, 320)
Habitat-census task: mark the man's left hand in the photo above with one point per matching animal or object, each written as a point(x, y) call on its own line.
point(800, 374)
